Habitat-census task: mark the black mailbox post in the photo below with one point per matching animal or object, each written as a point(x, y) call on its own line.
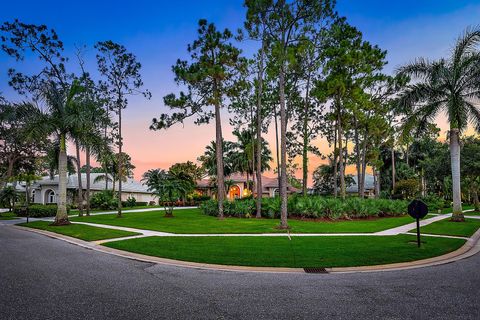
point(417, 209)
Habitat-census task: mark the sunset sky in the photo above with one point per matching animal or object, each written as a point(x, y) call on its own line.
point(158, 32)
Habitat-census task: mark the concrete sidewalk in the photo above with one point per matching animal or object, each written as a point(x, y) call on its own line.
point(134, 210)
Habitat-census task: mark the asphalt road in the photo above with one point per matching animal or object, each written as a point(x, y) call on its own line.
point(44, 278)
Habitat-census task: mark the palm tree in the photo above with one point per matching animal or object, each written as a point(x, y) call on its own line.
point(166, 187)
point(243, 155)
point(111, 168)
point(60, 121)
point(450, 85)
point(209, 158)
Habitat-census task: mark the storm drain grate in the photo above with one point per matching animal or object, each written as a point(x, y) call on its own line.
point(315, 270)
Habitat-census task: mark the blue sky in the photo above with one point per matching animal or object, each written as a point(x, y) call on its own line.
point(158, 32)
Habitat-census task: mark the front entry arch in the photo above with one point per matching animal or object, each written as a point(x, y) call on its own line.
point(234, 192)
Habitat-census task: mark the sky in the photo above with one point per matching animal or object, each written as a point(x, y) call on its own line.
point(158, 32)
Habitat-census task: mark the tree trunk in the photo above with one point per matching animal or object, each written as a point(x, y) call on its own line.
point(357, 152)
point(476, 202)
point(62, 217)
point(87, 160)
point(277, 149)
point(377, 184)
point(340, 154)
point(455, 163)
point(335, 162)
point(364, 167)
point(259, 130)
point(219, 156)
point(393, 169)
point(79, 177)
point(283, 149)
point(120, 162)
point(424, 183)
point(305, 139)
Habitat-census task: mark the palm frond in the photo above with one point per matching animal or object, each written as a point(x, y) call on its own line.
point(474, 112)
point(419, 68)
point(466, 43)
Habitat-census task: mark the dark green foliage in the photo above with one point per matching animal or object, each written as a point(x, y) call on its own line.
point(131, 202)
point(434, 202)
point(313, 207)
point(408, 189)
point(38, 211)
point(200, 198)
point(104, 200)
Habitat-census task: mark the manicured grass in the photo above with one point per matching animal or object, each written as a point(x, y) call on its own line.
point(450, 228)
point(194, 222)
point(74, 212)
point(84, 232)
point(332, 251)
point(7, 216)
point(472, 213)
point(450, 209)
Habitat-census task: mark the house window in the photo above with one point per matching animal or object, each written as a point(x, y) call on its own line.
point(32, 199)
point(51, 197)
point(276, 192)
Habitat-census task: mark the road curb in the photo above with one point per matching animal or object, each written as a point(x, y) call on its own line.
point(471, 247)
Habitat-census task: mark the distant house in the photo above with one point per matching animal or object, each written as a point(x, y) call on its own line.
point(46, 190)
point(239, 189)
point(369, 185)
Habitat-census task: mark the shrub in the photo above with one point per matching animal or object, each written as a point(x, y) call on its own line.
point(131, 202)
point(311, 207)
point(104, 200)
point(200, 198)
point(408, 188)
point(271, 207)
point(209, 207)
point(38, 211)
point(435, 202)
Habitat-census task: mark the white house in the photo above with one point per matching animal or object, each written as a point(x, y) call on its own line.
point(45, 190)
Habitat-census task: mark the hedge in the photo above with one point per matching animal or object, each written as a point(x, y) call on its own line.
point(312, 207)
point(38, 211)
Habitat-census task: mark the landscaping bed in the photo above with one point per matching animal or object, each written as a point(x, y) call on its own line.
point(194, 222)
point(80, 231)
point(300, 252)
point(311, 207)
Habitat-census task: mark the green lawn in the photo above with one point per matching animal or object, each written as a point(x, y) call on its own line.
point(84, 232)
point(332, 251)
point(194, 222)
point(450, 209)
point(7, 216)
point(449, 228)
point(75, 211)
point(472, 213)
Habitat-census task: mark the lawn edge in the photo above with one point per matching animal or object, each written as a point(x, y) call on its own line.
point(471, 247)
point(66, 238)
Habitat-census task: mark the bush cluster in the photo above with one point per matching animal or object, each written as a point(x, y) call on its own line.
point(434, 202)
point(38, 211)
point(104, 200)
point(312, 207)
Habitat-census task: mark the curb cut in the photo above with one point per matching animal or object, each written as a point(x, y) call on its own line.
point(471, 247)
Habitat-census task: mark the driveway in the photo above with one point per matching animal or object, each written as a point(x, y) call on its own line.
point(44, 278)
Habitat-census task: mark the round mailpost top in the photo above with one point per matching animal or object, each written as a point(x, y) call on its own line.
point(417, 209)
